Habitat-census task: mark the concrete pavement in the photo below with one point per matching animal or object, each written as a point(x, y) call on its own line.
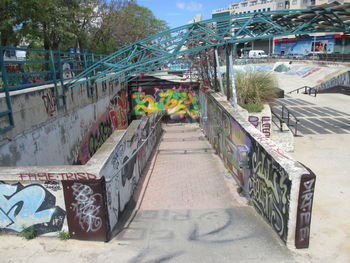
point(188, 211)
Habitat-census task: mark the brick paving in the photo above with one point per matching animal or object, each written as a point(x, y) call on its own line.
point(187, 173)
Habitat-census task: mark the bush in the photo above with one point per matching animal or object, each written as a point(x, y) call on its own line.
point(255, 89)
point(253, 107)
point(29, 232)
point(63, 235)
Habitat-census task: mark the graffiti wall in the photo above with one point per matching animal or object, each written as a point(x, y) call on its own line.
point(262, 120)
point(126, 163)
point(260, 167)
point(114, 118)
point(341, 78)
point(23, 205)
point(179, 103)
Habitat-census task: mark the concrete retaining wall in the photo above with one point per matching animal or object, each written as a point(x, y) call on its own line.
point(46, 135)
point(86, 200)
point(280, 188)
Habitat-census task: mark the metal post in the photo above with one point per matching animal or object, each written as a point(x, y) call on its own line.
point(232, 76)
point(219, 72)
point(215, 73)
point(6, 89)
point(228, 51)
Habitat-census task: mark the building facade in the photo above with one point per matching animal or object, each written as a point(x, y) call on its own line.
point(290, 45)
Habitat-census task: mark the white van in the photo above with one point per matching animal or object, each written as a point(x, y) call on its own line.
point(257, 54)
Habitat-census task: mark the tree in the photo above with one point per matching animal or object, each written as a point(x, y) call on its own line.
point(8, 21)
point(51, 21)
point(124, 25)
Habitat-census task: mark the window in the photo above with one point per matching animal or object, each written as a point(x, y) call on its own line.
point(268, 9)
point(254, 11)
point(259, 10)
point(264, 9)
point(280, 4)
point(294, 2)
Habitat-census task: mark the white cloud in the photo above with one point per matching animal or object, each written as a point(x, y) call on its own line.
point(192, 6)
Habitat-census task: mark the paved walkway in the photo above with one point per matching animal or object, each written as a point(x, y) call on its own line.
point(313, 118)
point(190, 210)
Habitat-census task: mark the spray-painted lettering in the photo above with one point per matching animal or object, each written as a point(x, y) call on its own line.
point(86, 207)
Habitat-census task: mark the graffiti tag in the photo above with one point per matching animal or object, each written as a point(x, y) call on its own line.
point(86, 208)
point(49, 102)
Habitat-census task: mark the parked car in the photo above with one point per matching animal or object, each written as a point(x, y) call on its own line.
point(257, 54)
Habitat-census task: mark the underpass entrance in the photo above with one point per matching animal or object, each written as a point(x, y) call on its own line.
point(173, 95)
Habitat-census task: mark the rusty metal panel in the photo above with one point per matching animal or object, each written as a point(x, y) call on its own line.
point(306, 194)
point(86, 209)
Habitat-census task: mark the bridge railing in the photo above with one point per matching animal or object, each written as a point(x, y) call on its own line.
point(25, 68)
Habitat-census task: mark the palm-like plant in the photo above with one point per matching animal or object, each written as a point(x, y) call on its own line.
point(255, 89)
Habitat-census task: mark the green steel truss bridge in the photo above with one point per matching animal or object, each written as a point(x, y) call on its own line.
point(149, 54)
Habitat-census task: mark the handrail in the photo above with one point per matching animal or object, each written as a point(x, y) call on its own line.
point(281, 121)
point(287, 117)
point(307, 90)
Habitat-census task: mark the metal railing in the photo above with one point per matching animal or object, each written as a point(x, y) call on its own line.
point(290, 119)
point(24, 68)
point(279, 122)
point(307, 90)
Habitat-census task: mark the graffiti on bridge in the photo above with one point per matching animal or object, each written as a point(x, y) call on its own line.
point(32, 205)
point(86, 207)
point(269, 190)
point(180, 102)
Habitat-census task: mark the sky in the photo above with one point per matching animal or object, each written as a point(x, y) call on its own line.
point(178, 12)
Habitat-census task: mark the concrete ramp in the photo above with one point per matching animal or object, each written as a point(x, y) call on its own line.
point(189, 209)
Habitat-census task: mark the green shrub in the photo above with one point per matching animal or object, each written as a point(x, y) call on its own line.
point(255, 89)
point(253, 107)
point(63, 235)
point(29, 232)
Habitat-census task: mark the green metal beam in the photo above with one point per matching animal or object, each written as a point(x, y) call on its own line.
point(154, 51)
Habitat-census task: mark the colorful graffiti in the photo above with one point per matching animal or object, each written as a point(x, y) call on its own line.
point(340, 78)
point(264, 125)
point(262, 178)
point(118, 110)
point(32, 205)
point(230, 142)
point(114, 118)
point(181, 102)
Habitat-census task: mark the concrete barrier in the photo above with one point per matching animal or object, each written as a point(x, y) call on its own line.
point(86, 200)
point(45, 134)
point(280, 189)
